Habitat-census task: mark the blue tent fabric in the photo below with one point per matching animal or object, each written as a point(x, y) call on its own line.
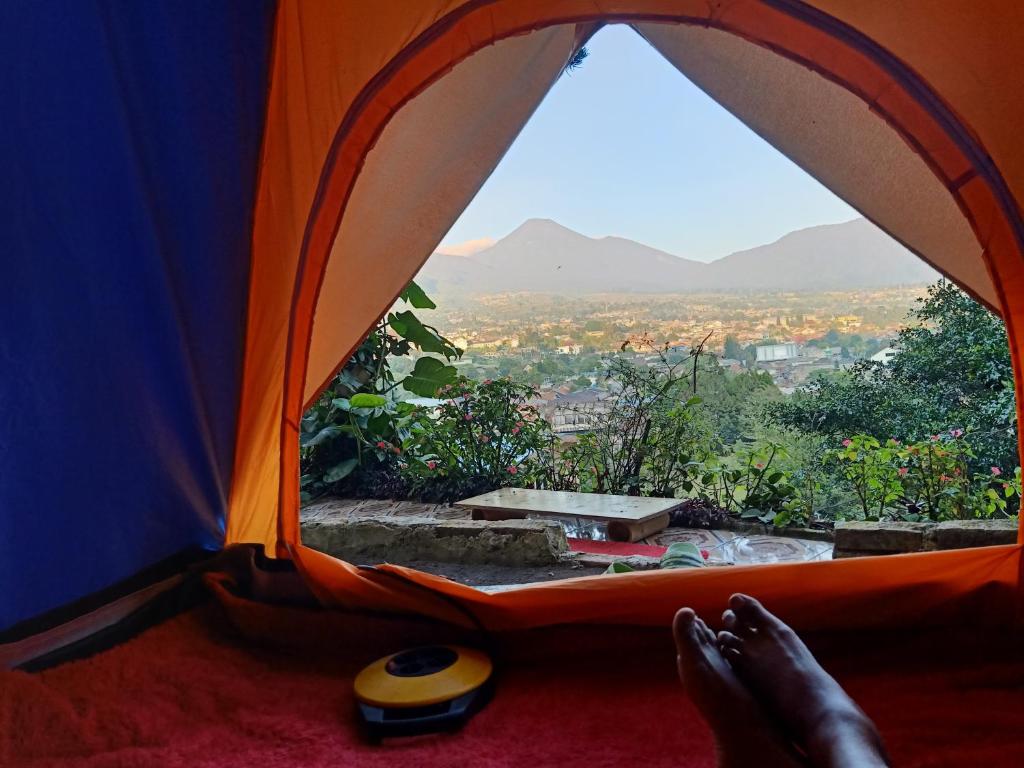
point(129, 147)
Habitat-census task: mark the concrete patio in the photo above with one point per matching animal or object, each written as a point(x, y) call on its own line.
point(723, 547)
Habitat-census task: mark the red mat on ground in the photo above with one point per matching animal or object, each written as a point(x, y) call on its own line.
point(192, 693)
point(617, 548)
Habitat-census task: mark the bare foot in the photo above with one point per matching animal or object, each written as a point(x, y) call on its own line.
point(744, 734)
point(786, 678)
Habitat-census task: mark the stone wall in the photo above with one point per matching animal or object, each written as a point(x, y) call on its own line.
point(378, 540)
point(857, 539)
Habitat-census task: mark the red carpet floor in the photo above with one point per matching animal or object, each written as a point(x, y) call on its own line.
point(192, 693)
point(617, 548)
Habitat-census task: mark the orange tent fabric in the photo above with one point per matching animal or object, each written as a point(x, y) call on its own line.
point(932, 86)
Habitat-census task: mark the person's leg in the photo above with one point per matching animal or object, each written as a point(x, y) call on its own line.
point(786, 678)
point(744, 734)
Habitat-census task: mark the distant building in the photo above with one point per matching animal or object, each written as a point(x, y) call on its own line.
point(571, 412)
point(848, 321)
point(569, 349)
point(884, 356)
point(771, 353)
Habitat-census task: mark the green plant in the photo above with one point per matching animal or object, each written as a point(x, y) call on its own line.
point(929, 479)
point(645, 437)
point(996, 494)
point(748, 482)
point(357, 424)
point(871, 471)
point(570, 466)
point(483, 436)
point(952, 367)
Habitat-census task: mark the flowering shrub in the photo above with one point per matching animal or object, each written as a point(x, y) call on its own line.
point(872, 472)
point(925, 480)
point(483, 436)
point(356, 438)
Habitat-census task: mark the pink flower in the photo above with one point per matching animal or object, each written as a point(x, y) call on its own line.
point(705, 554)
point(488, 381)
point(847, 443)
point(956, 432)
point(431, 465)
point(382, 444)
point(903, 471)
point(468, 417)
point(945, 478)
point(513, 470)
point(1005, 486)
point(396, 449)
point(933, 438)
point(759, 465)
point(520, 423)
point(996, 471)
point(515, 430)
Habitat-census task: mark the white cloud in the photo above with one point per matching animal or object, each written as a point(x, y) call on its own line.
point(467, 248)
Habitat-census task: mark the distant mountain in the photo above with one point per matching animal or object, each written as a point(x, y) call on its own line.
point(542, 256)
point(854, 254)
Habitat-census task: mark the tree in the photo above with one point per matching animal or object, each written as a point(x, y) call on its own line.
point(732, 348)
point(749, 356)
point(734, 402)
point(952, 371)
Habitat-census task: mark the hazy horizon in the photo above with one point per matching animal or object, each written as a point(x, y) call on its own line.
point(626, 146)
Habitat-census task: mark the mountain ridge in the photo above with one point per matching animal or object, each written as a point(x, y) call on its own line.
point(543, 256)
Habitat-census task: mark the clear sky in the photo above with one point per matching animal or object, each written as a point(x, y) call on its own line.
point(627, 146)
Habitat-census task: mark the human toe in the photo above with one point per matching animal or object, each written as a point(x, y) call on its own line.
point(750, 613)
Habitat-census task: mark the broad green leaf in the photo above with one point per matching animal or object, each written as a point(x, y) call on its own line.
point(428, 376)
point(340, 471)
point(415, 295)
point(378, 425)
point(366, 400)
point(408, 326)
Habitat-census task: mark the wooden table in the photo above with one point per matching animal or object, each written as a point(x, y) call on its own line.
point(629, 518)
